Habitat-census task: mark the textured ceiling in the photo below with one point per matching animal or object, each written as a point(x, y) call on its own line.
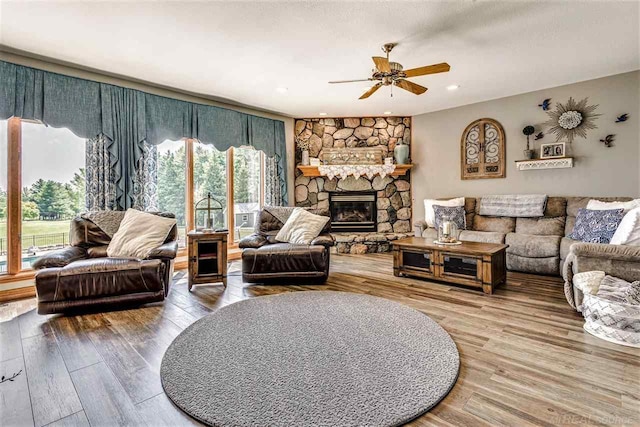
point(243, 51)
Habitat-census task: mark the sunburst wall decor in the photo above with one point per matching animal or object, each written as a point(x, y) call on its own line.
point(572, 119)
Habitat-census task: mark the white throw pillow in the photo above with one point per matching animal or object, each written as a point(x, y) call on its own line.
point(429, 214)
point(139, 233)
point(301, 227)
point(597, 205)
point(589, 281)
point(628, 231)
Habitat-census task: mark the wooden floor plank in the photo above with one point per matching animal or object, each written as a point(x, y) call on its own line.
point(52, 393)
point(525, 359)
point(79, 419)
point(10, 344)
point(104, 400)
point(15, 403)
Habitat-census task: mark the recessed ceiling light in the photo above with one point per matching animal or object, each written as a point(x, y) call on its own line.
point(281, 89)
point(322, 114)
point(388, 112)
point(453, 87)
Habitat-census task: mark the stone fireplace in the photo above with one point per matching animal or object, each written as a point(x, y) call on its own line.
point(392, 194)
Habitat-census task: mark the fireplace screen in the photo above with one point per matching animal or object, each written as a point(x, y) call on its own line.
point(353, 211)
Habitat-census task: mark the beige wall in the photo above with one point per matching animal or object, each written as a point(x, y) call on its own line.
point(598, 171)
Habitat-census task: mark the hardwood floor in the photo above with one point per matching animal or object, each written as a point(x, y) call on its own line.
point(525, 357)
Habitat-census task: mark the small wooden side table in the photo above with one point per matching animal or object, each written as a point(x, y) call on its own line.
point(207, 257)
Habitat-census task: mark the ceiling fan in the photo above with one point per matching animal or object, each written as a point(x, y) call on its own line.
point(391, 73)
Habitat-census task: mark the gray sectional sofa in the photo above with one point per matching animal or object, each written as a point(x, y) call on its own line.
point(541, 246)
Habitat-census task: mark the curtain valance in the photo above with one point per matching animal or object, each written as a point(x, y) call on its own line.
point(129, 117)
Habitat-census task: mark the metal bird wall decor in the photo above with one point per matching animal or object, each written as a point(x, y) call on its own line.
point(538, 136)
point(622, 118)
point(545, 104)
point(608, 140)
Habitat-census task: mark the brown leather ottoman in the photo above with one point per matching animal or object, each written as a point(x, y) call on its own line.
point(284, 262)
point(100, 282)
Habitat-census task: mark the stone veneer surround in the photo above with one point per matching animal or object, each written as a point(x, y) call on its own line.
point(394, 193)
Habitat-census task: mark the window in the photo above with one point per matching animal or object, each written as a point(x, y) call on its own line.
point(172, 188)
point(47, 180)
point(3, 196)
point(247, 190)
point(210, 176)
point(53, 182)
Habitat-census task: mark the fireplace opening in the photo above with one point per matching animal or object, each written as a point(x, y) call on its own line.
point(353, 211)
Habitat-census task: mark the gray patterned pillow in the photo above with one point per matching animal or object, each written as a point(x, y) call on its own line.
point(596, 226)
point(454, 213)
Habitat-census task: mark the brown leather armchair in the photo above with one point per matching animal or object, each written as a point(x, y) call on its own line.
point(265, 260)
point(83, 276)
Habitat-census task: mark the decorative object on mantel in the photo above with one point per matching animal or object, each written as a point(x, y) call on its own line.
point(482, 150)
point(622, 118)
point(401, 153)
point(313, 171)
point(545, 104)
point(303, 144)
point(538, 136)
point(538, 164)
point(314, 161)
point(554, 150)
point(608, 140)
point(352, 156)
point(572, 119)
point(528, 131)
point(343, 171)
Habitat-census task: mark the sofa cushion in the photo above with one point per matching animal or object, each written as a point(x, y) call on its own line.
point(284, 258)
point(553, 226)
point(530, 246)
point(482, 236)
point(556, 206)
point(496, 224)
point(429, 212)
point(596, 226)
point(628, 232)
point(525, 264)
point(454, 214)
point(301, 227)
point(575, 203)
point(139, 233)
point(100, 277)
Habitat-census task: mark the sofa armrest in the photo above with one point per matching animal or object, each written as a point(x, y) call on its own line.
point(254, 241)
point(419, 227)
point(325, 240)
point(166, 251)
point(610, 252)
point(60, 258)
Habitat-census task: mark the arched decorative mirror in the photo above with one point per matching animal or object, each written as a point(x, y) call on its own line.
point(483, 152)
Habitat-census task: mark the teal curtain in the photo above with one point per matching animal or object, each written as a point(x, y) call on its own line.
point(128, 118)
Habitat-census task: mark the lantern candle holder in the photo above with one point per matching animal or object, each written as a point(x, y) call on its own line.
point(206, 211)
point(448, 232)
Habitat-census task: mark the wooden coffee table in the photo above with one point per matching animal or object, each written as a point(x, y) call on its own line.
point(481, 265)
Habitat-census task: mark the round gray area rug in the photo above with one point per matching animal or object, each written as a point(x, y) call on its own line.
point(310, 358)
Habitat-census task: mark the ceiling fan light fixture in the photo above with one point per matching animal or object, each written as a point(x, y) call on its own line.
point(453, 87)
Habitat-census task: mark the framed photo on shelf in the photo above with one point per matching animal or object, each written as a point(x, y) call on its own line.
point(554, 150)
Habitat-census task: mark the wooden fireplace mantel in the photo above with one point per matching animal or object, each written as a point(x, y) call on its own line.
point(312, 171)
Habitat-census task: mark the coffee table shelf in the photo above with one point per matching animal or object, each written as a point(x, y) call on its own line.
point(480, 265)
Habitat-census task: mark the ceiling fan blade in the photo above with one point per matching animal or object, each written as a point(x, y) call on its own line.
point(350, 81)
point(429, 69)
point(370, 91)
point(382, 64)
point(410, 86)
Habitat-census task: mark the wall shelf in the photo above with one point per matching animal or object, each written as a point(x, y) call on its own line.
point(312, 171)
point(538, 164)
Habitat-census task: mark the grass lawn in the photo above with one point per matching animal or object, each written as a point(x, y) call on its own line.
point(38, 227)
